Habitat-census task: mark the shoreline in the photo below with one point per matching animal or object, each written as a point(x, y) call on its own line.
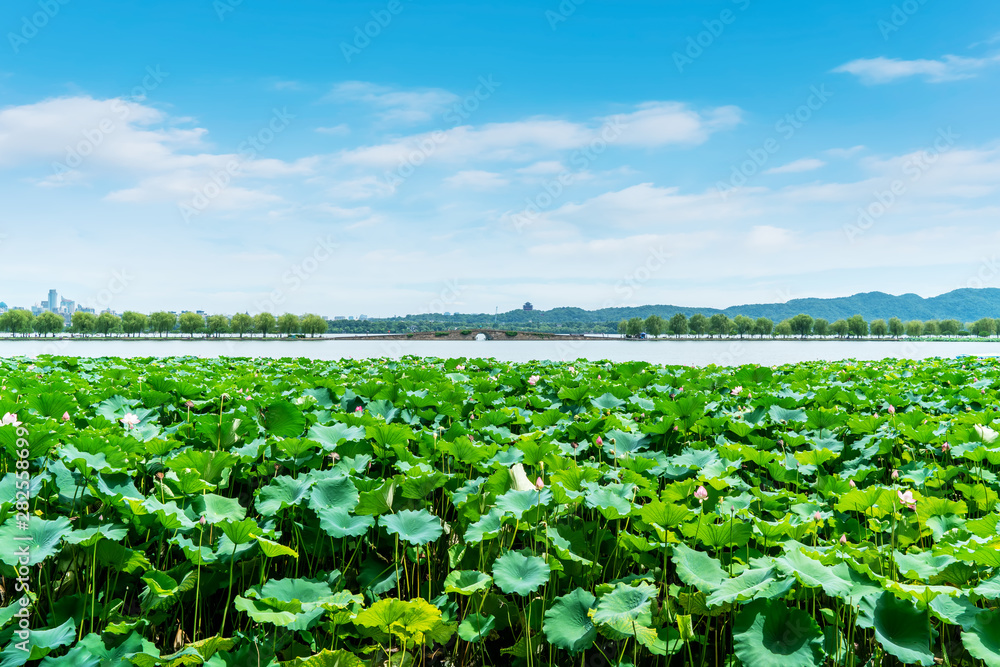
point(453, 336)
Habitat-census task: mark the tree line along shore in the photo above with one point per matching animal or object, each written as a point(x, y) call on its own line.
point(22, 323)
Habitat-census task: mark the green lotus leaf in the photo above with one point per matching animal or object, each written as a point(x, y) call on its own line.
point(39, 644)
point(88, 537)
point(759, 582)
point(273, 549)
point(567, 622)
point(239, 532)
point(410, 619)
point(955, 610)
point(982, 640)
point(487, 528)
point(328, 658)
point(698, 569)
point(922, 565)
point(283, 419)
point(466, 582)
point(216, 508)
point(516, 573)
point(766, 633)
point(265, 611)
point(43, 539)
point(516, 503)
point(475, 628)
point(415, 527)
point(340, 523)
point(625, 609)
point(835, 581)
point(903, 630)
point(607, 402)
point(331, 436)
point(333, 493)
point(282, 492)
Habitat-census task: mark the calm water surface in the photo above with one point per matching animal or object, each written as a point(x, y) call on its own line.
point(700, 353)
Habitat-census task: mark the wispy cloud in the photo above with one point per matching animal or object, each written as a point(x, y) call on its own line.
point(875, 71)
point(798, 166)
point(477, 180)
point(395, 106)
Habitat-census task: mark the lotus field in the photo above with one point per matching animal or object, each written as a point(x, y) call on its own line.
point(235, 512)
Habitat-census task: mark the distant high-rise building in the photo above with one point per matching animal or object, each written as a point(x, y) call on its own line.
point(53, 300)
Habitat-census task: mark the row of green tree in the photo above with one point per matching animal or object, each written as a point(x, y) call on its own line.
point(23, 323)
point(801, 325)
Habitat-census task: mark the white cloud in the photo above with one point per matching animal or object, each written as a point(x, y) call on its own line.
point(393, 106)
point(652, 124)
point(873, 71)
point(477, 180)
point(798, 166)
point(844, 153)
point(656, 124)
point(336, 130)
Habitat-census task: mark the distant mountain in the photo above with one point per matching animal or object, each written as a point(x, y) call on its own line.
point(966, 305)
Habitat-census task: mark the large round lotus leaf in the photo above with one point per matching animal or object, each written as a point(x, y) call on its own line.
point(516, 573)
point(401, 618)
point(44, 537)
point(983, 640)
point(336, 493)
point(475, 627)
point(517, 502)
point(282, 492)
point(624, 606)
point(698, 569)
point(340, 523)
point(307, 592)
point(466, 582)
point(567, 622)
point(415, 527)
point(283, 419)
point(767, 633)
point(903, 630)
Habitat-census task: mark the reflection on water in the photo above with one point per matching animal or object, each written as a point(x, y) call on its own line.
point(699, 353)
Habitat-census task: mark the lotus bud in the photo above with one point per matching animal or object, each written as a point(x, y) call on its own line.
point(575, 445)
point(600, 441)
point(65, 417)
point(891, 410)
point(358, 409)
point(701, 494)
point(159, 476)
point(853, 484)
point(895, 474)
point(539, 484)
point(203, 520)
point(945, 447)
point(189, 404)
point(817, 516)
point(843, 539)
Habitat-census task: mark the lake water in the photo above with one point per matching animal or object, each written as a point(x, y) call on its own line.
point(699, 353)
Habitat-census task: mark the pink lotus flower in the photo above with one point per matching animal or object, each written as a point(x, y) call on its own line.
point(701, 494)
point(533, 380)
point(203, 521)
point(736, 391)
point(460, 367)
point(853, 484)
point(843, 539)
point(65, 417)
point(895, 474)
point(130, 420)
point(571, 369)
point(891, 410)
point(945, 447)
point(907, 499)
point(359, 409)
point(10, 418)
point(539, 484)
point(334, 457)
point(817, 516)
point(600, 441)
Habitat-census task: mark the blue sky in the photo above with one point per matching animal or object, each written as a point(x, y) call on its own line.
point(241, 155)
